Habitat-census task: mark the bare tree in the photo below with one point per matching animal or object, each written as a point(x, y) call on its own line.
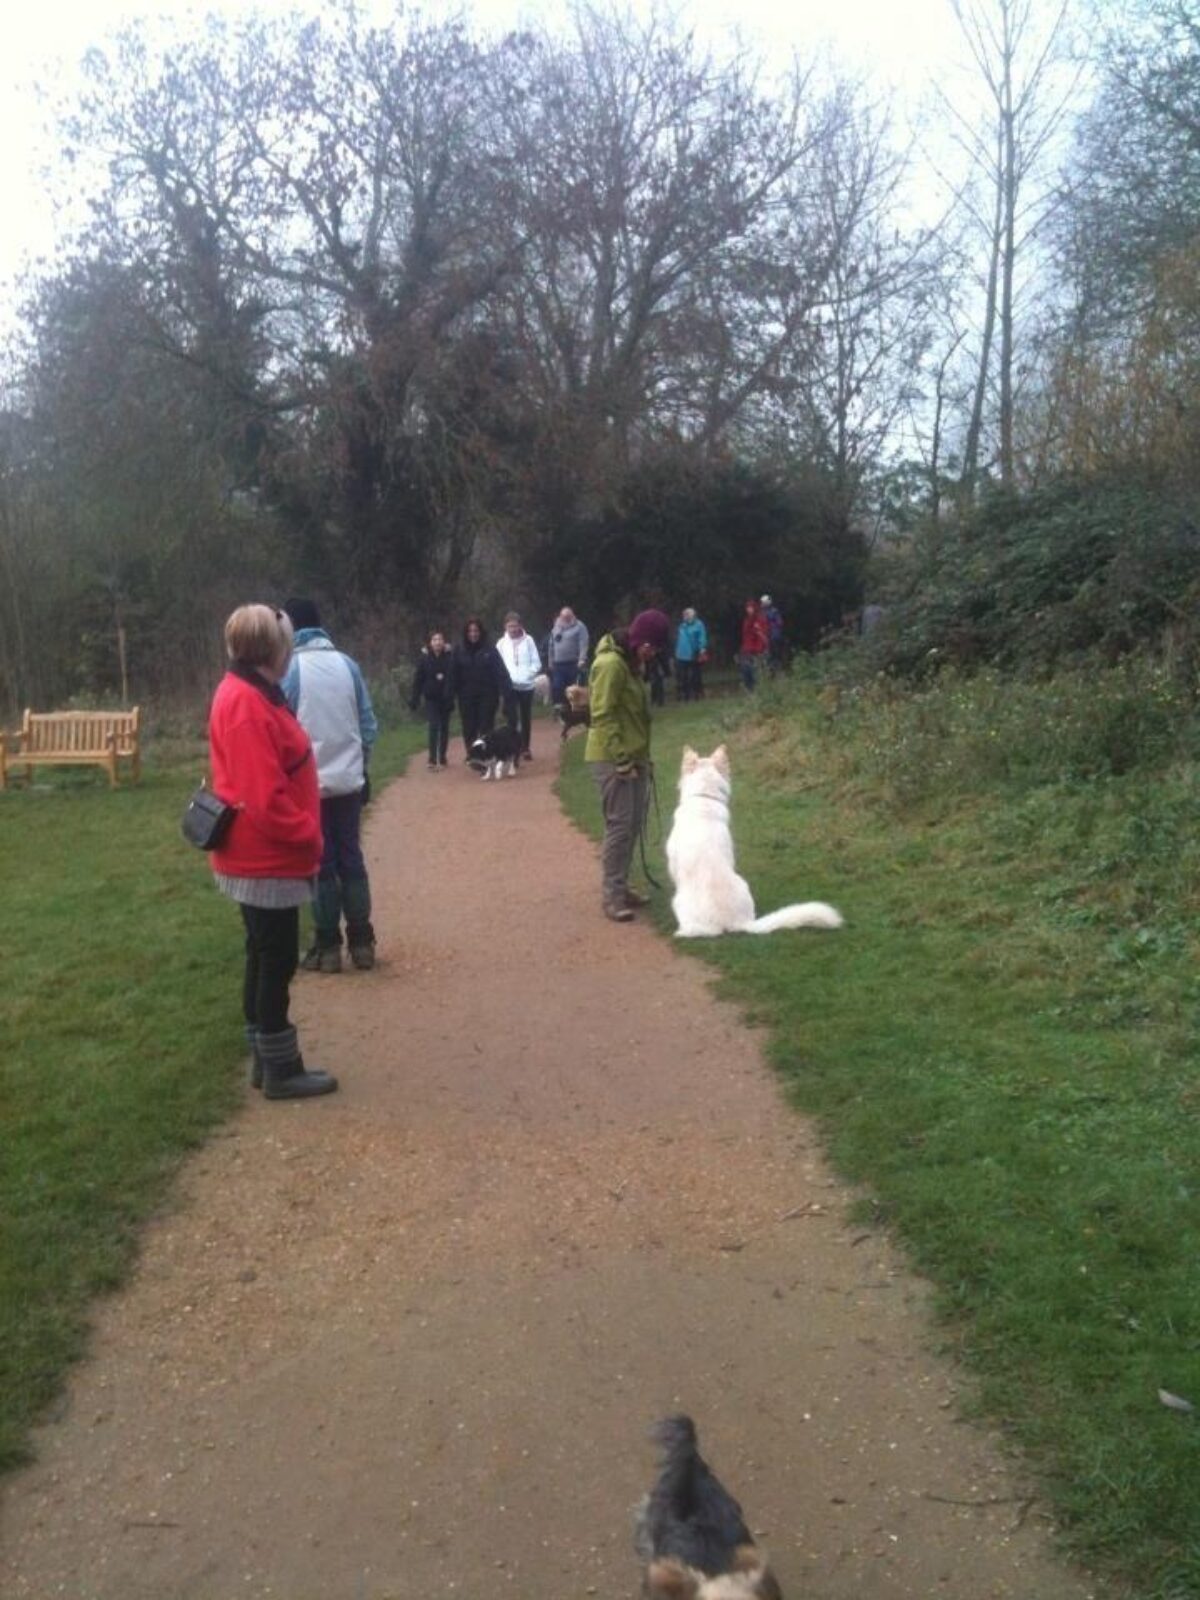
point(1017, 58)
point(663, 281)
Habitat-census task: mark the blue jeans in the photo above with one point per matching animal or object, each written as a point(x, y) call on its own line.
point(562, 675)
point(342, 881)
point(748, 667)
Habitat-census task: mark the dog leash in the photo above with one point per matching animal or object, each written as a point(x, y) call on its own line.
point(651, 794)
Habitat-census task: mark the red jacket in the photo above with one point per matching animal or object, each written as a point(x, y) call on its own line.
point(756, 635)
point(262, 762)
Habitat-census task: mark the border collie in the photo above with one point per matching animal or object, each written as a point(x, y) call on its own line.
point(497, 753)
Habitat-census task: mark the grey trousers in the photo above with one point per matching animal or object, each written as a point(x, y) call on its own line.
point(623, 801)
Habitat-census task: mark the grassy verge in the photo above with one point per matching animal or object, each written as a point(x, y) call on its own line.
point(122, 1043)
point(1000, 1049)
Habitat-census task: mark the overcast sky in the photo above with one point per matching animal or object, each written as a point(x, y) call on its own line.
point(897, 42)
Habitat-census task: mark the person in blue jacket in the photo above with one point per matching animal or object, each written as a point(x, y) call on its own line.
point(325, 689)
point(691, 652)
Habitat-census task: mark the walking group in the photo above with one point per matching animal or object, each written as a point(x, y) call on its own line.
point(291, 730)
point(482, 678)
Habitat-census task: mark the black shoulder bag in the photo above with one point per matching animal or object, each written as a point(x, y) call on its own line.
point(206, 819)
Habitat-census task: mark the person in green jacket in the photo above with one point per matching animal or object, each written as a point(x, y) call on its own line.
point(618, 749)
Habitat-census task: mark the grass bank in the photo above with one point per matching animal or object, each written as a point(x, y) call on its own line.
point(1000, 1050)
point(122, 1042)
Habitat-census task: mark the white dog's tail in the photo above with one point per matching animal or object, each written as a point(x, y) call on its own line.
point(812, 914)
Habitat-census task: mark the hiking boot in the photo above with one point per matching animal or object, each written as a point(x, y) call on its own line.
point(284, 1074)
point(635, 899)
point(321, 958)
point(363, 955)
point(617, 913)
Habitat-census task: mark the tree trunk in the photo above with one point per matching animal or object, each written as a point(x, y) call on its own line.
point(971, 450)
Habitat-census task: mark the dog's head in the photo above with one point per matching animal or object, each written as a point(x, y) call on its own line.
point(541, 689)
point(578, 696)
point(749, 1579)
point(708, 776)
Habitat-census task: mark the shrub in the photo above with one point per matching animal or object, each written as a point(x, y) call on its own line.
point(1078, 568)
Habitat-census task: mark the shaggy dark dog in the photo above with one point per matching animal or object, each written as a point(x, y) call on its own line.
point(691, 1532)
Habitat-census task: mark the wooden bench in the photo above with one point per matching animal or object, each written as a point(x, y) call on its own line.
point(73, 738)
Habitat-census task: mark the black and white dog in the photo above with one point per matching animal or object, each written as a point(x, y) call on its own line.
point(691, 1532)
point(497, 753)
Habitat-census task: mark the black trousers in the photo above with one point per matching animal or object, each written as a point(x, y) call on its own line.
point(478, 712)
point(518, 713)
point(272, 954)
point(688, 680)
point(439, 733)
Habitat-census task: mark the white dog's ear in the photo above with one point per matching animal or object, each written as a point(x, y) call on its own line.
point(690, 759)
point(720, 759)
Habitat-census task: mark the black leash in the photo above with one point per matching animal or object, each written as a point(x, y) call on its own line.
point(651, 794)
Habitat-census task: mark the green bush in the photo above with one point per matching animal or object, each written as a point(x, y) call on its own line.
point(962, 732)
point(1075, 569)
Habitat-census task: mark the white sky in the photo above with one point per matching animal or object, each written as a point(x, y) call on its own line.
point(896, 42)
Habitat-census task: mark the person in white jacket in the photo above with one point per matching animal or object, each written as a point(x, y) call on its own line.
point(522, 662)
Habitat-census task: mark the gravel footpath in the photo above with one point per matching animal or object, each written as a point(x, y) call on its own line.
point(407, 1341)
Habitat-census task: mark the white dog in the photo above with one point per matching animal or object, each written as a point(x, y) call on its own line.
point(710, 897)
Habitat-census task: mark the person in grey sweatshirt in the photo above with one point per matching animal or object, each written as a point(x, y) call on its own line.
point(568, 653)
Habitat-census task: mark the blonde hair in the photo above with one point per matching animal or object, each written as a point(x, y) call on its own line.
point(258, 636)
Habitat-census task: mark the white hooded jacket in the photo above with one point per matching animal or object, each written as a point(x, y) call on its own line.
point(521, 659)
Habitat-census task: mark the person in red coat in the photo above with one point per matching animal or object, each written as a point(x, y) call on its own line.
point(755, 643)
point(262, 764)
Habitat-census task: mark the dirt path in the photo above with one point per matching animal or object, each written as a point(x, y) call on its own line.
point(407, 1341)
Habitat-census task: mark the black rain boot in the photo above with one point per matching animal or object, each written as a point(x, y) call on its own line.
point(256, 1070)
point(284, 1075)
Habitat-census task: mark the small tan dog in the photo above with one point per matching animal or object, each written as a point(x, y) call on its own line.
point(691, 1532)
point(576, 711)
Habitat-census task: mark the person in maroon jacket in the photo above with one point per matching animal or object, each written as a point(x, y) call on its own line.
point(262, 764)
point(754, 643)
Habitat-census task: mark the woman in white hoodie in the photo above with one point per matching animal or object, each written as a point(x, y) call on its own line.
point(522, 662)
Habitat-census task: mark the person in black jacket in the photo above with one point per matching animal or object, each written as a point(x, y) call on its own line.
point(434, 684)
point(479, 681)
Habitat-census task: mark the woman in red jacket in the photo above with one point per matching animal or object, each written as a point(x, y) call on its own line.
point(262, 763)
point(755, 643)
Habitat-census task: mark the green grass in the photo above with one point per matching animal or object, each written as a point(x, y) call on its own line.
point(999, 1048)
point(119, 1012)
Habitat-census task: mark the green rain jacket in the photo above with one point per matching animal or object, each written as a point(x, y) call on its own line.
point(619, 702)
